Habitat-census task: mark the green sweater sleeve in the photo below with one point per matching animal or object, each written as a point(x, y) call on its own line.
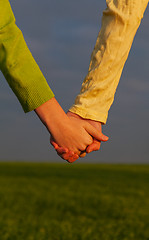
point(18, 65)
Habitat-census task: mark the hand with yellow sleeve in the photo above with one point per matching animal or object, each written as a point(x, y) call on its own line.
point(120, 22)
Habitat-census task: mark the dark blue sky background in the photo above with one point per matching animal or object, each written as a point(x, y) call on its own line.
point(61, 35)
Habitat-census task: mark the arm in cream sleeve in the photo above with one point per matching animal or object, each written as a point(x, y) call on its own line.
point(120, 22)
point(18, 65)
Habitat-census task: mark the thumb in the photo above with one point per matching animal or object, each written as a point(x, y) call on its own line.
point(95, 133)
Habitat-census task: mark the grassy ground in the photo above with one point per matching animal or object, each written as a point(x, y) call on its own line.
point(74, 202)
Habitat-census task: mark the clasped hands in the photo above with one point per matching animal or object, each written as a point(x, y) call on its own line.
point(71, 136)
point(87, 141)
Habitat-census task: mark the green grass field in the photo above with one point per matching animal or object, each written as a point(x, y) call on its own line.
point(74, 202)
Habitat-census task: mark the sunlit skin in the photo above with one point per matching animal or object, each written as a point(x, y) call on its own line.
point(94, 146)
point(67, 130)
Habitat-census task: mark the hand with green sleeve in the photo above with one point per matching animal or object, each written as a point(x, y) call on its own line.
point(18, 65)
point(30, 87)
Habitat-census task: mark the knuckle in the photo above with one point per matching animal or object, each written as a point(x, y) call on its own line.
point(97, 147)
point(63, 156)
point(78, 152)
point(82, 148)
point(90, 141)
point(83, 154)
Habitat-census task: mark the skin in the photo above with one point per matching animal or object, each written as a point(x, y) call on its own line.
point(94, 146)
point(65, 129)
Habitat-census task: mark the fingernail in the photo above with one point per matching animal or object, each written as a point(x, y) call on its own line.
point(106, 138)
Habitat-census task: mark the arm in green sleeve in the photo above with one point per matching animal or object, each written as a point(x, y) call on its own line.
point(18, 65)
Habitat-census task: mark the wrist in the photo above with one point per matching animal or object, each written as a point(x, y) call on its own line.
point(51, 114)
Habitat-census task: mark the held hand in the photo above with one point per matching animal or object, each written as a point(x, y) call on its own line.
point(68, 132)
point(71, 134)
point(64, 153)
point(69, 155)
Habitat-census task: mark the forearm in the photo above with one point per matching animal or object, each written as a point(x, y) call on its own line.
point(18, 65)
point(52, 115)
point(120, 22)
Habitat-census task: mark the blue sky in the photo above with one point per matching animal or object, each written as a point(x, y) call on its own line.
point(61, 36)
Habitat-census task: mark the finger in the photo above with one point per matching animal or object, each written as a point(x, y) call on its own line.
point(95, 146)
point(72, 158)
point(53, 143)
point(82, 154)
point(95, 133)
point(66, 155)
point(60, 150)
